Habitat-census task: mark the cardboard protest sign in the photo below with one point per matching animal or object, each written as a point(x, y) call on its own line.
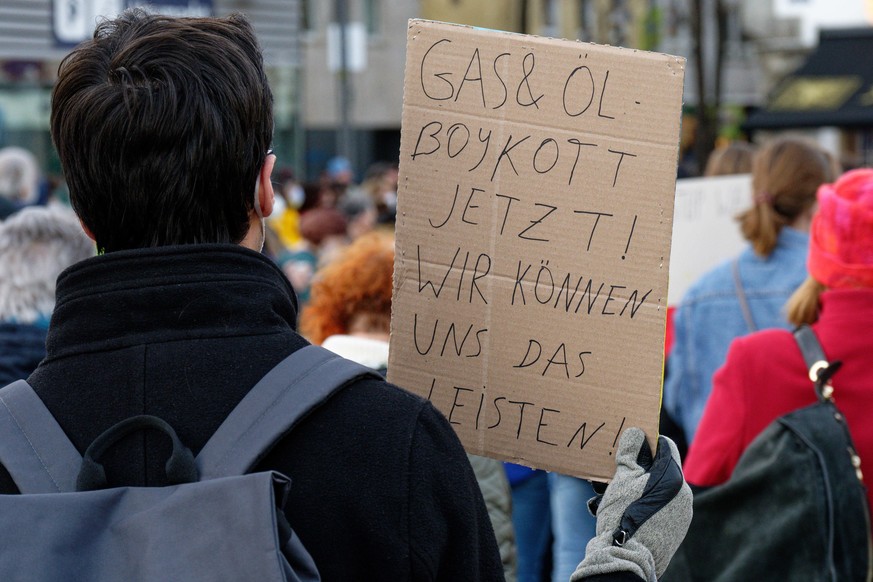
point(535, 206)
point(705, 232)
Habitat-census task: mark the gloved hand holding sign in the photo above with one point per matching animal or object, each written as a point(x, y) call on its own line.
point(644, 514)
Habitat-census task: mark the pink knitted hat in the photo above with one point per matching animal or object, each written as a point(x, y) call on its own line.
point(841, 237)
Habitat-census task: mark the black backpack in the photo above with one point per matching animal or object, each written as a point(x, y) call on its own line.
point(795, 507)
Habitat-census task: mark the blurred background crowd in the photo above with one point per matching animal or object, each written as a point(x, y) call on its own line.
point(775, 90)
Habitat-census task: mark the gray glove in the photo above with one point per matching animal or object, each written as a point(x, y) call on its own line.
point(644, 514)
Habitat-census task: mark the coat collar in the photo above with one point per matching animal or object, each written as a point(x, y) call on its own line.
point(144, 296)
point(850, 306)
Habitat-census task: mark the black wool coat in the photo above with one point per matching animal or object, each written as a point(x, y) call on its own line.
point(381, 487)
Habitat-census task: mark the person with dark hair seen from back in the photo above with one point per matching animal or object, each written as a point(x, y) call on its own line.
point(36, 244)
point(748, 292)
point(163, 126)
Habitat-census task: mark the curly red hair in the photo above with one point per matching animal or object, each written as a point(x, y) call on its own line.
point(356, 285)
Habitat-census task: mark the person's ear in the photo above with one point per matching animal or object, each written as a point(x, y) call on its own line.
point(87, 230)
point(266, 196)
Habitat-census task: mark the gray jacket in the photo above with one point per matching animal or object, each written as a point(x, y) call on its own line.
point(495, 489)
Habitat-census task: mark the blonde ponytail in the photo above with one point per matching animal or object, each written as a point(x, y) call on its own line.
point(803, 305)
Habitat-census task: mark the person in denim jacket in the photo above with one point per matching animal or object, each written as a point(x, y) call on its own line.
point(747, 293)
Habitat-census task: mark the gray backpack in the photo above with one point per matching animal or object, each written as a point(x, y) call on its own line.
point(217, 523)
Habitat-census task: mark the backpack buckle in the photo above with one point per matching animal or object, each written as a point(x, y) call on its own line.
point(619, 537)
point(856, 464)
point(816, 369)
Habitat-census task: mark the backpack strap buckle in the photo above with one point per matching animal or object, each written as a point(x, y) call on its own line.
point(820, 369)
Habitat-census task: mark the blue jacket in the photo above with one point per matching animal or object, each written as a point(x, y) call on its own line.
point(709, 317)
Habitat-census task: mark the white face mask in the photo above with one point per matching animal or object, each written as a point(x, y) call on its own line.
point(297, 196)
point(390, 199)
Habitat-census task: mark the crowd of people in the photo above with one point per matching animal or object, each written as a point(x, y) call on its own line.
point(172, 292)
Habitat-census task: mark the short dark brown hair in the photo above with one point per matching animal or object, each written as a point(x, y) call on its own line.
point(162, 125)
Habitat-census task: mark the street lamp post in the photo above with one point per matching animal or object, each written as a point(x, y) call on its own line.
point(344, 145)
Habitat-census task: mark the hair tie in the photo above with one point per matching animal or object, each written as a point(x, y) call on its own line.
point(764, 197)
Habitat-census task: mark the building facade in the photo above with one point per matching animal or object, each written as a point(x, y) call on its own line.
point(323, 109)
point(35, 35)
point(371, 90)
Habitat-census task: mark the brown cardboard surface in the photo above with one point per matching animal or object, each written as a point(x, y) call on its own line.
point(535, 209)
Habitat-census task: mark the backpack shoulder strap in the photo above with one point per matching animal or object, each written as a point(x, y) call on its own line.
point(33, 448)
point(295, 387)
point(813, 354)
point(741, 296)
point(820, 369)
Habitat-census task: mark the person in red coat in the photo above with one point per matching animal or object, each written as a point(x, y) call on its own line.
point(765, 376)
